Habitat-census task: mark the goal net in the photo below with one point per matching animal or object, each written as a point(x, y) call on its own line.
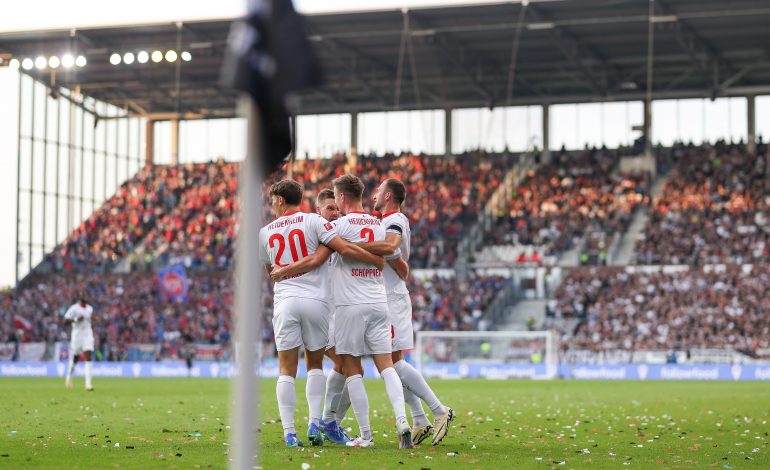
point(486, 354)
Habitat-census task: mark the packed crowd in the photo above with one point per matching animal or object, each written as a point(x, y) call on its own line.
point(666, 309)
point(444, 194)
point(132, 309)
point(560, 202)
point(200, 229)
point(113, 230)
point(714, 209)
point(449, 304)
point(128, 308)
point(188, 212)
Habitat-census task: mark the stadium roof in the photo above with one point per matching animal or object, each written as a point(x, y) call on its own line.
point(569, 51)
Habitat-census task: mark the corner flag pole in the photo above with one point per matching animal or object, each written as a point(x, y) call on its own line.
point(248, 306)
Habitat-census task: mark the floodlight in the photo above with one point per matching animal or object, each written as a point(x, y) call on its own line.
point(81, 61)
point(171, 56)
point(157, 56)
point(186, 56)
point(54, 62)
point(128, 58)
point(67, 61)
point(14, 64)
point(40, 63)
point(115, 59)
point(27, 64)
point(142, 57)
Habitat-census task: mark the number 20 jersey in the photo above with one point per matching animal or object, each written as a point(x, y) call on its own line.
point(355, 283)
point(290, 238)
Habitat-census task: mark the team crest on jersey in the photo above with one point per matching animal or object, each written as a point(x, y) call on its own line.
point(328, 226)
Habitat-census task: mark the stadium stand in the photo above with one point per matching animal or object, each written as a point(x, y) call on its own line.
point(662, 308)
point(187, 212)
point(714, 209)
point(561, 202)
point(131, 309)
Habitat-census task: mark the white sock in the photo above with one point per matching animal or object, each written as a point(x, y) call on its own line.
point(343, 406)
point(415, 406)
point(414, 381)
point(70, 366)
point(335, 383)
point(395, 392)
point(89, 365)
point(314, 392)
point(287, 398)
point(360, 403)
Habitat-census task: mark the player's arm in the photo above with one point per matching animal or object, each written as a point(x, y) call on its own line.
point(356, 253)
point(383, 247)
point(69, 316)
point(306, 264)
point(400, 266)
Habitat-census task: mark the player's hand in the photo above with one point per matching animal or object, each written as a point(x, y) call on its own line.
point(79, 319)
point(276, 274)
point(380, 263)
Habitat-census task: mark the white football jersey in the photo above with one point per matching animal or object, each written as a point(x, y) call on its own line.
point(356, 283)
point(82, 327)
point(398, 223)
point(290, 238)
point(326, 271)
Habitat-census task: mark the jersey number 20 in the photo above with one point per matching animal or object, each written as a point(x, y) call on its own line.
point(296, 237)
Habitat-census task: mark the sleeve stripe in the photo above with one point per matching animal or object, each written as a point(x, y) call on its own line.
point(396, 228)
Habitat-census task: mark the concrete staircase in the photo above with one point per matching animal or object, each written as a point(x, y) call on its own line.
point(518, 314)
point(625, 251)
point(475, 234)
point(571, 258)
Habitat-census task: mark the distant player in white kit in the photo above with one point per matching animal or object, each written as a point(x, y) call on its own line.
point(81, 340)
point(301, 308)
point(388, 200)
point(361, 324)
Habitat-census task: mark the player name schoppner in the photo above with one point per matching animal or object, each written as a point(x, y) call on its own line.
point(363, 222)
point(285, 222)
point(365, 272)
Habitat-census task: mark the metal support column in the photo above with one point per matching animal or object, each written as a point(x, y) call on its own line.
point(104, 155)
point(353, 133)
point(448, 131)
point(82, 143)
point(128, 148)
point(751, 130)
point(115, 155)
point(70, 169)
point(58, 177)
point(94, 204)
point(546, 131)
point(647, 126)
point(149, 139)
point(175, 142)
point(648, 95)
point(18, 179)
point(31, 177)
point(45, 173)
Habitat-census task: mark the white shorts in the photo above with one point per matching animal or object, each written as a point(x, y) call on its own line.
point(300, 321)
point(81, 343)
point(330, 344)
point(362, 329)
point(400, 312)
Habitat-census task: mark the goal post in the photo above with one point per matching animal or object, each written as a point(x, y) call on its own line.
point(486, 354)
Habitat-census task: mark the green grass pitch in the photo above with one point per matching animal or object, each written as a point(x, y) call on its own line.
point(183, 423)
